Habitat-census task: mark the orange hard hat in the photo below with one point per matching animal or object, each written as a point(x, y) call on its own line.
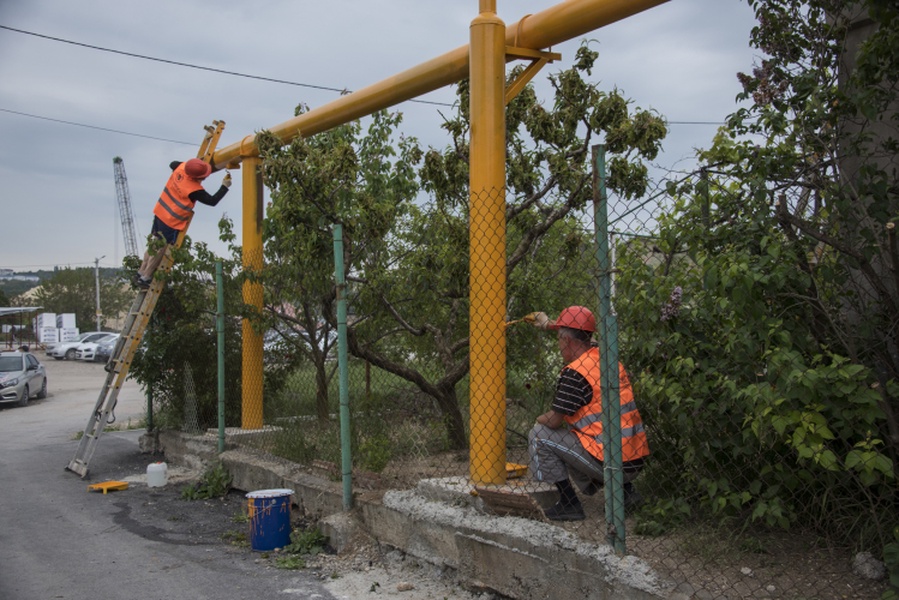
point(198, 169)
point(575, 317)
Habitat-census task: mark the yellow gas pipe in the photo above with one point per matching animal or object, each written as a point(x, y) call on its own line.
point(489, 38)
point(487, 253)
point(251, 387)
point(552, 26)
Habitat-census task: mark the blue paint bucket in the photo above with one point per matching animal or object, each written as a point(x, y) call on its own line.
point(269, 514)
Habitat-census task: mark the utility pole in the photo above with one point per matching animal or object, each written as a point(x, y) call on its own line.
point(97, 281)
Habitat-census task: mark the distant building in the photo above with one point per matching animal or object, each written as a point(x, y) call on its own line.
point(10, 275)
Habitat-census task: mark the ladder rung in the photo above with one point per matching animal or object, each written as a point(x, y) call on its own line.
point(135, 324)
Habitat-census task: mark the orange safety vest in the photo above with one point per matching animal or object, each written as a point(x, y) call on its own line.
point(587, 421)
point(174, 207)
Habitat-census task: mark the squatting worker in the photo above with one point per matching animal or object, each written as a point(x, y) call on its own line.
point(565, 444)
point(175, 207)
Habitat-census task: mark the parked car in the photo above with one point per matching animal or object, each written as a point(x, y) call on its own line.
point(67, 350)
point(53, 345)
point(21, 376)
point(98, 351)
point(87, 350)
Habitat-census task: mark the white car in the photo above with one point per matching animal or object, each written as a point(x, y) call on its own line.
point(88, 350)
point(67, 350)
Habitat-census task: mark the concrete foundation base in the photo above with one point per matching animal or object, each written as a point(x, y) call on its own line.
point(442, 522)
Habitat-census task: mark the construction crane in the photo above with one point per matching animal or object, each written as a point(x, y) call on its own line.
point(124, 199)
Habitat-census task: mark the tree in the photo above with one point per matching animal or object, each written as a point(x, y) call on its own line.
point(828, 110)
point(407, 256)
point(764, 340)
point(75, 291)
point(178, 358)
point(335, 177)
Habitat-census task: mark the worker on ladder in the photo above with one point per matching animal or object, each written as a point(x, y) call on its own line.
point(175, 208)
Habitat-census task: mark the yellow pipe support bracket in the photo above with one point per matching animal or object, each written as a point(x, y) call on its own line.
point(538, 61)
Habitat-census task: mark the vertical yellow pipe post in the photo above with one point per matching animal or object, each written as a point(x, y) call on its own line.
point(251, 405)
point(487, 252)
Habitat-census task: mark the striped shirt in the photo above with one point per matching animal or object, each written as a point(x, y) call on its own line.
point(573, 392)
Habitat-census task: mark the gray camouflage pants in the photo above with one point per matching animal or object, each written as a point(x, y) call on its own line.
point(557, 454)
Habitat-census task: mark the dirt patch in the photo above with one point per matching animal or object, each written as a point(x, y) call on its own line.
point(163, 515)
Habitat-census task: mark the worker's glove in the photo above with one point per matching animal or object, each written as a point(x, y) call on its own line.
point(226, 181)
point(537, 319)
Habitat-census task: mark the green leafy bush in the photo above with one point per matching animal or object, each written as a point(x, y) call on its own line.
point(215, 483)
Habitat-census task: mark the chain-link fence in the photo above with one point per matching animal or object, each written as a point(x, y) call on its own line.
point(770, 473)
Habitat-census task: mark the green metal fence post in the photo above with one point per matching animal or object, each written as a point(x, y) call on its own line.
point(608, 350)
point(220, 332)
point(343, 371)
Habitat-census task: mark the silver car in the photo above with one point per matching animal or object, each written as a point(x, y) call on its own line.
point(67, 350)
point(21, 377)
point(90, 350)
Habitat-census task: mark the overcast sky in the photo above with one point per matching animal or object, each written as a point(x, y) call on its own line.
point(67, 110)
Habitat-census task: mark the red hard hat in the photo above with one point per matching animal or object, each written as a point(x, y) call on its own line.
point(198, 169)
point(575, 317)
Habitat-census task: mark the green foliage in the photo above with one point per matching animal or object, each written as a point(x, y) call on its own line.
point(387, 421)
point(303, 542)
point(662, 517)
point(759, 325)
point(302, 441)
point(306, 541)
point(177, 362)
point(374, 453)
point(236, 538)
point(891, 560)
point(407, 254)
point(215, 483)
point(75, 291)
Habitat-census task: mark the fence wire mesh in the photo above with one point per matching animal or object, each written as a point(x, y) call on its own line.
point(771, 471)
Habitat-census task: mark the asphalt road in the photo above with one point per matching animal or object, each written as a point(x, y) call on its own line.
point(57, 540)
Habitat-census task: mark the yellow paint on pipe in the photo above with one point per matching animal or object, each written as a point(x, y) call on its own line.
point(251, 405)
point(552, 26)
point(487, 254)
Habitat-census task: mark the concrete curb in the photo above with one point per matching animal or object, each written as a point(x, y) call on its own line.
point(519, 558)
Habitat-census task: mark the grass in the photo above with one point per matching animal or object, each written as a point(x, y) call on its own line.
point(215, 483)
point(236, 538)
point(303, 542)
point(128, 425)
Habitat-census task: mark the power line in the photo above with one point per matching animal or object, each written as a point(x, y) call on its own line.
point(119, 131)
point(200, 67)
point(249, 76)
point(719, 123)
point(212, 69)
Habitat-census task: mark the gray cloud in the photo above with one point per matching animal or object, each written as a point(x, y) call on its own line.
point(57, 179)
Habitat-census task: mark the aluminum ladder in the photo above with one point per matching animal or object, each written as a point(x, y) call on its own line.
point(132, 333)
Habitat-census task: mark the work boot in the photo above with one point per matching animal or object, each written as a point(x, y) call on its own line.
point(593, 487)
point(565, 512)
